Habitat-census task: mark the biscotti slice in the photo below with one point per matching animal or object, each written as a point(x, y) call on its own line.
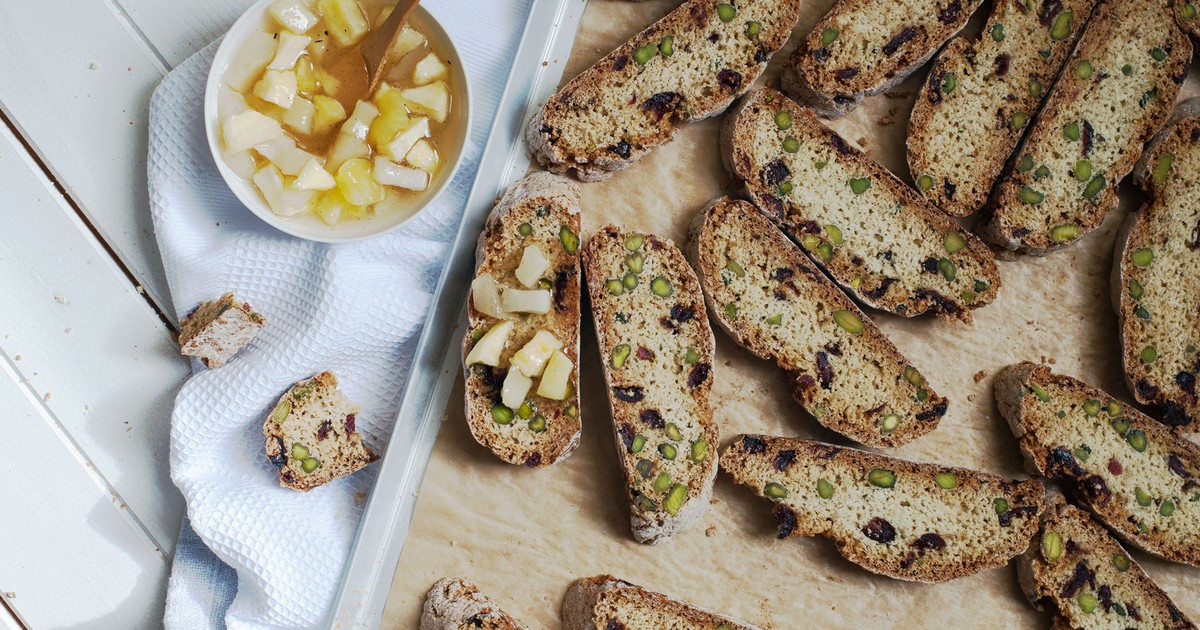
point(687, 66)
point(604, 602)
point(1078, 571)
point(1114, 93)
point(776, 303)
point(456, 604)
point(981, 93)
point(1186, 12)
point(1154, 290)
point(903, 519)
point(217, 330)
point(521, 350)
point(872, 233)
point(657, 350)
point(1137, 476)
point(310, 434)
point(863, 47)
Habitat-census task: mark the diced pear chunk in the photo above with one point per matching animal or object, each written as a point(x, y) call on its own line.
point(432, 99)
point(344, 19)
point(230, 102)
point(306, 77)
point(423, 155)
point(393, 117)
point(389, 173)
point(407, 41)
point(329, 112)
point(314, 177)
point(294, 15)
point(399, 147)
point(491, 345)
point(332, 207)
point(516, 387)
point(278, 87)
point(255, 54)
point(430, 68)
point(284, 153)
point(291, 46)
point(485, 293)
point(533, 264)
point(522, 301)
point(556, 379)
point(355, 181)
point(247, 129)
point(283, 200)
point(345, 148)
point(359, 123)
point(241, 163)
point(299, 116)
point(329, 83)
point(531, 358)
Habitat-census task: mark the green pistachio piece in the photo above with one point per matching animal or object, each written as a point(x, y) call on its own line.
point(924, 183)
point(673, 431)
point(731, 311)
point(849, 322)
point(810, 242)
point(1035, 88)
point(302, 390)
point(661, 287)
point(635, 262)
point(1071, 131)
point(890, 423)
point(953, 242)
point(946, 480)
point(1158, 54)
point(1062, 413)
point(619, 355)
point(675, 499)
point(783, 119)
point(1019, 119)
point(1045, 53)
point(666, 47)
point(1188, 11)
point(913, 376)
point(1121, 426)
point(1094, 187)
point(997, 33)
point(981, 286)
point(1113, 408)
point(1142, 527)
point(544, 284)
point(791, 145)
point(1161, 167)
point(281, 411)
point(667, 451)
point(860, 184)
point(299, 451)
point(1052, 545)
point(637, 444)
point(1127, 70)
point(881, 478)
point(502, 414)
point(691, 356)
point(775, 319)
point(1040, 392)
point(572, 410)
point(569, 239)
point(1121, 562)
point(922, 395)
point(775, 491)
point(1083, 170)
point(735, 268)
point(825, 489)
point(645, 53)
point(1030, 196)
point(726, 12)
point(785, 188)
point(1083, 452)
point(525, 229)
point(1137, 439)
point(662, 482)
point(1000, 505)
point(947, 269)
point(1142, 257)
point(1042, 172)
point(949, 82)
point(525, 411)
point(1062, 26)
point(644, 503)
point(835, 233)
point(699, 451)
point(1064, 233)
point(644, 467)
point(1167, 508)
point(829, 35)
point(1141, 312)
point(1091, 407)
point(538, 423)
point(614, 286)
point(1149, 354)
point(1084, 69)
point(630, 281)
point(310, 464)
point(819, 165)
point(825, 252)
point(1087, 602)
point(1025, 164)
point(634, 243)
point(478, 334)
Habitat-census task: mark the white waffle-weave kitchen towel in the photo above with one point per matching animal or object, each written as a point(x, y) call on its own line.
point(353, 308)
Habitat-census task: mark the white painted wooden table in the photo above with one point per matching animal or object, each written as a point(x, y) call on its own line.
point(88, 363)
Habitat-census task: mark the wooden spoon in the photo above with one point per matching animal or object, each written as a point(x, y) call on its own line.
point(376, 46)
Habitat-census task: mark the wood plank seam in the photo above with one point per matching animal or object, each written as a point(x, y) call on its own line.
point(13, 615)
point(139, 36)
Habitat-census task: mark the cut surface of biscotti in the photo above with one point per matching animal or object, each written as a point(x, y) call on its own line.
point(456, 604)
point(1115, 91)
point(903, 519)
point(217, 330)
point(1079, 572)
point(604, 602)
point(521, 350)
point(981, 94)
point(311, 437)
point(687, 66)
point(657, 351)
point(1154, 290)
point(776, 303)
point(1137, 476)
point(872, 233)
point(862, 47)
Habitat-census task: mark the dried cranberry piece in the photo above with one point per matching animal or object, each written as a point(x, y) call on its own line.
point(786, 520)
point(1133, 612)
point(1096, 490)
point(627, 432)
point(930, 542)
point(940, 302)
point(620, 62)
point(845, 73)
point(1145, 390)
point(730, 79)
point(1082, 575)
point(1089, 134)
point(784, 459)
point(840, 145)
point(950, 188)
point(950, 13)
point(775, 172)
point(1061, 462)
point(1176, 466)
point(773, 205)
point(613, 624)
point(821, 55)
point(753, 445)
point(652, 418)
point(929, 265)
point(901, 38)
point(645, 354)
point(1187, 382)
point(938, 411)
point(806, 381)
point(824, 371)
point(881, 290)
point(1175, 415)
point(560, 289)
point(699, 374)
point(783, 274)
point(323, 430)
point(629, 394)
point(1114, 466)
point(622, 149)
point(661, 104)
point(834, 348)
point(879, 530)
point(349, 424)
point(1105, 593)
point(279, 459)
point(1050, 10)
point(287, 477)
point(1002, 62)
point(534, 460)
point(682, 313)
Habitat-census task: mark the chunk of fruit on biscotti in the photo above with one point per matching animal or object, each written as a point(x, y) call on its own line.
point(903, 519)
point(605, 603)
point(311, 437)
point(1133, 473)
point(456, 604)
point(216, 330)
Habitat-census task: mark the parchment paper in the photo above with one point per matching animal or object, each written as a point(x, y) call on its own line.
point(525, 535)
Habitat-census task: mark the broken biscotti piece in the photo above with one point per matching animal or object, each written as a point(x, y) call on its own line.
point(1138, 477)
point(521, 350)
point(657, 351)
point(604, 602)
point(456, 604)
point(872, 233)
point(1115, 91)
point(863, 47)
point(776, 303)
point(903, 519)
point(1079, 572)
point(217, 330)
point(310, 434)
point(687, 66)
point(980, 95)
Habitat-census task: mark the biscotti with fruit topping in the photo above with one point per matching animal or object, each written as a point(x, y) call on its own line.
point(903, 519)
point(872, 233)
point(311, 437)
point(456, 604)
point(217, 330)
point(1157, 257)
point(1081, 574)
point(657, 350)
point(1115, 91)
point(1137, 476)
point(776, 303)
point(980, 95)
point(687, 66)
point(521, 350)
point(863, 47)
point(604, 602)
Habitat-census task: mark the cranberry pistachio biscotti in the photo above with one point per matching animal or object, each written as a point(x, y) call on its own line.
point(903, 519)
point(687, 66)
point(521, 350)
point(980, 95)
point(657, 351)
point(456, 604)
point(216, 330)
point(776, 303)
point(605, 603)
point(873, 234)
point(1138, 477)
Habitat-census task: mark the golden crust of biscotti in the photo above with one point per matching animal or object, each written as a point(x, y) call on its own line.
point(1134, 474)
point(657, 350)
point(216, 330)
point(688, 66)
point(888, 246)
point(981, 93)
point(776, 303)
point(911, 521)
point(456, 604)
point(604, 602)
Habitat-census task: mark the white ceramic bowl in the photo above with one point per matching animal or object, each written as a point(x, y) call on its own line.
point(308, 225)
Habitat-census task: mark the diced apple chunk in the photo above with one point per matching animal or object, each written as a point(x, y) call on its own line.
point(355, 181)
point(314, 177)
point(491, 345)
point(430, 68)
point(284, 153)
point(294, 15)
point(278, 87)
point(522, 301)
point(486, 295)
point(391, 174)
point(393, 117)
point(241, 163)
point(283, 200)
point(399, 147)
point(423, 155)
point(359, 123)
point(533, 264)
point(255, 54)
point(531, 358)
point(344, 19)
point(299, 116)
point(516, 387)
point(230, 103)
point(329, 83)
point(329, 112)
point(345, 148)
point(332, 207)
point(556, 379)
point(291, 46)
point(306, 77)
point(432, 99)
point(249, 128)
point(407, 41)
